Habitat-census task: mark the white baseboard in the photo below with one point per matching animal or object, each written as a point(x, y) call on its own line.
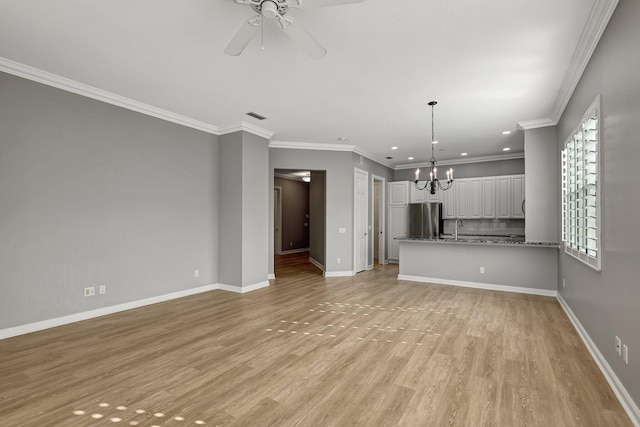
point(77, 317)
point(294, 251)
point(339, 273)
point(317, 264)
point(243, 289)
point(271, 276)
point(630, 407)
point(477, 285)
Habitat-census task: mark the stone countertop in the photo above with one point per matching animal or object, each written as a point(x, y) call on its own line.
point(480, 241)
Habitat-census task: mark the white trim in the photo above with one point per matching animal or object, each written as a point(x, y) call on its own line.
point(294, 251)
point(243, 289)
point(477, 285)
point(535, 124)
point(271, 276)
point(630, 407)
point(357, 171)
point(104, 311)
point(317, 264)
point(247, 127)
point(339, 273)
point(462, 161)
point(277, 220)
point(53, 80)
point(593, 30)
point(295, 145)
point(382, 219)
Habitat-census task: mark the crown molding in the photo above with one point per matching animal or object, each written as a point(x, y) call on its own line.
point(594, 28)
point(535, 124)
point(247, 127)
point(49, 79)
point(296, 145)
point(466, 160)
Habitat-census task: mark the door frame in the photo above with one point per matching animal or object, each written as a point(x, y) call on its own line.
point(382, 259)
point(277, 219)
point(357, 171)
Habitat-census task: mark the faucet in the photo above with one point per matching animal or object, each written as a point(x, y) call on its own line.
point(461, 225)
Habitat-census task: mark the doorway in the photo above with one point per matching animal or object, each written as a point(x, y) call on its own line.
point(361, 223)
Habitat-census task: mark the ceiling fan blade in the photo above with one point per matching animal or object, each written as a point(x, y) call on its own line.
point(306, 41)
point(243, 36)
point(313, 4)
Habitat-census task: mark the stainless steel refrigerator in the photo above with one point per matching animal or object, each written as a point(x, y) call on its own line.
point(425, 220)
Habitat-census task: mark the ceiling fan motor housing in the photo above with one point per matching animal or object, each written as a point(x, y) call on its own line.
point(269, 8)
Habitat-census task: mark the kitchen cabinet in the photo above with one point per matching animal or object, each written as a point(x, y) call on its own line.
point(517, 196)
point(489, 197)
point(449, 202)
point(510, 196)
point(503, 197)
point(461, 187)
point(475, 198)
point(398, 225)
point(423, 196)
point(398, 193)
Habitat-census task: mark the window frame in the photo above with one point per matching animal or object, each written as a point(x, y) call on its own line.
point(584, 225)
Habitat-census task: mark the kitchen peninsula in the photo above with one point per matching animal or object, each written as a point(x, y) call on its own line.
point(523, 267)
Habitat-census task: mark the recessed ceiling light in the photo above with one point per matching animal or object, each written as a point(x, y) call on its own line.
point(506, 132)
point(463, 154)
point(394, 148)
point(409, 158)
point(506, 149)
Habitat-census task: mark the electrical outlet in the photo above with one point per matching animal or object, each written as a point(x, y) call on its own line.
point(102, 289)
point(619, 346)
point(625, 353)
point(481, 270)
point(564, 283)
point(196, 273)
point(338, 261)
point(90, 291)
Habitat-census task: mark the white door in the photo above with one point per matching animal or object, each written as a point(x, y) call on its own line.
point(360, 223)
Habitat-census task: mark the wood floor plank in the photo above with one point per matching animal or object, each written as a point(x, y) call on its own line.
point(307, 351)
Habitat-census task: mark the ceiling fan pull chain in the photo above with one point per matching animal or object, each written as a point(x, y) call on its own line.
point(262, 32)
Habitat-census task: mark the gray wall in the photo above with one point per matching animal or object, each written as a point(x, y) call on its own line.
point(317, 216)
point(295, 208)
point(95, 194)
point(606, 303)
point(541, 178)
point(520, 266)
point(230, 205)
point(471, 170)
point(339, 199)
point(257, 198)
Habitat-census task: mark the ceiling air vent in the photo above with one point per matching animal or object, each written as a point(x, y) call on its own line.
point(389, 158)
point(256, 115)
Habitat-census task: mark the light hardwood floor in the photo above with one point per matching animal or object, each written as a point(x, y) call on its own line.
point(308, 351)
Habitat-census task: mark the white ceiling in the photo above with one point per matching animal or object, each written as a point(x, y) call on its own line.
point(490, 65)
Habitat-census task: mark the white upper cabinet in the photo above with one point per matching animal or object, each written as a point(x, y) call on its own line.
point(398, 193)
point(517, 196)
point(503, 197)
point(449, 202)
point(475, 198)
point(489, 197)
point(461, 187)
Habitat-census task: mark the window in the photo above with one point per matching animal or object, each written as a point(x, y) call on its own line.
point(581, 190)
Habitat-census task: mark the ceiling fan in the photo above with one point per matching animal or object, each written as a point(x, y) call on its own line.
point(277, 9)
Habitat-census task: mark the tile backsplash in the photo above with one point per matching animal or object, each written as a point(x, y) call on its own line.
point(497, 227)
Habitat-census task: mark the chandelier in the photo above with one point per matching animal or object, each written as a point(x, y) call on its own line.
point(434, 184)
